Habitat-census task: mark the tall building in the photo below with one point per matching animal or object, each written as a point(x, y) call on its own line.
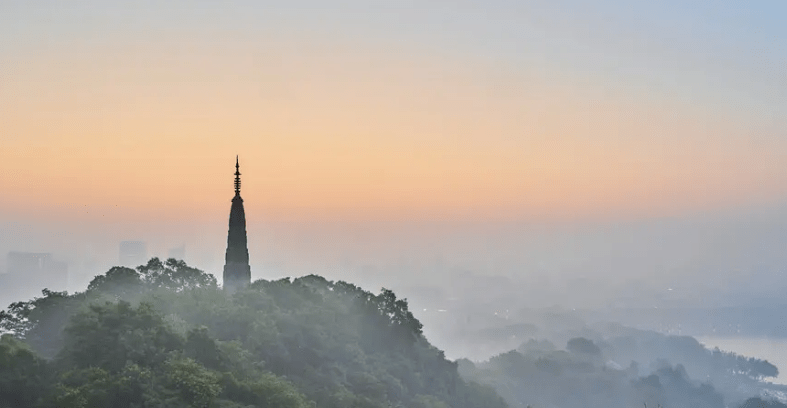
point(237, 272)
point(133, 253)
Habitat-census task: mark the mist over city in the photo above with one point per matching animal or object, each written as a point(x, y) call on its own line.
point(393, 204)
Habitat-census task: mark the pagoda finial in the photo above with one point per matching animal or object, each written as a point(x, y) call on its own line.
point(237, 176)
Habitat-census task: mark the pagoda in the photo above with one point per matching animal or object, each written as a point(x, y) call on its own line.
point(237, 272)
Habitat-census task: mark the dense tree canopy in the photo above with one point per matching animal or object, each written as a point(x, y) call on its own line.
point(586, 373)
point(549, 378)
point(22, 374)
point(164, 334)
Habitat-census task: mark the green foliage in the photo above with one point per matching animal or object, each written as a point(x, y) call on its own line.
point(572, 380)
point(174, 275)
point(165, 335)
point(724, 368)
point(112, 334)
point(203, 348)
point(119, 281)
point(263, 390)
point(582, 345)
point(22, 374)
point(41, 321)
point(93, 387)
point(196, 384)
point(119, 355)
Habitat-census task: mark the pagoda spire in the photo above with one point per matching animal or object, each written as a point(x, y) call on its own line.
point(237, 272)
point(237, 176)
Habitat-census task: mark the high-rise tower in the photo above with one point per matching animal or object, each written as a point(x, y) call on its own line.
point(237, 272)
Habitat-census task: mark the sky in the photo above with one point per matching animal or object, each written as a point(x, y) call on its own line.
point(591, 140)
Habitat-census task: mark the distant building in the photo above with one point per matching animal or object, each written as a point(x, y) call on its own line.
point(133, 253)
point(36, 264)
point(27, 262)
point(237, 272)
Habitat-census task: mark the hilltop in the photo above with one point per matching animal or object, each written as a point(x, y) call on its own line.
point(165, 334)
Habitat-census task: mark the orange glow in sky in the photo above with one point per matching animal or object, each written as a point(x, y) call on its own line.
point(357, 133)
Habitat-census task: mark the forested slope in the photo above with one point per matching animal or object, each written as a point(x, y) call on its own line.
point(165, 335)
point(657, 372)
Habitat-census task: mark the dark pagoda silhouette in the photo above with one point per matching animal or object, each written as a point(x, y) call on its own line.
point(237, 272)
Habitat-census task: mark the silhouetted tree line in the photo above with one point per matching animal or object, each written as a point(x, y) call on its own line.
point(165, 335)
point(761, 403)
point(538, 374)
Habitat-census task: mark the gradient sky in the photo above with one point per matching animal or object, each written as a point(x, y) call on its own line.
point(121, 119)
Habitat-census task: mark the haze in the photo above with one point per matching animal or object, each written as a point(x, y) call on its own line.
point(620, 154)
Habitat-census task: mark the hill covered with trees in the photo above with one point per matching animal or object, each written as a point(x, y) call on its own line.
point(658, 370)
point(165, 335)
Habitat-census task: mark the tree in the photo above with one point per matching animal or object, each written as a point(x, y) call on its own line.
point(23, 375)
point(203, 348)
point(174, 275)
point(39, 322)
point(119, 281)
point(110, 335)
point(197, 385)
point(164, 335)
point(582, 345)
